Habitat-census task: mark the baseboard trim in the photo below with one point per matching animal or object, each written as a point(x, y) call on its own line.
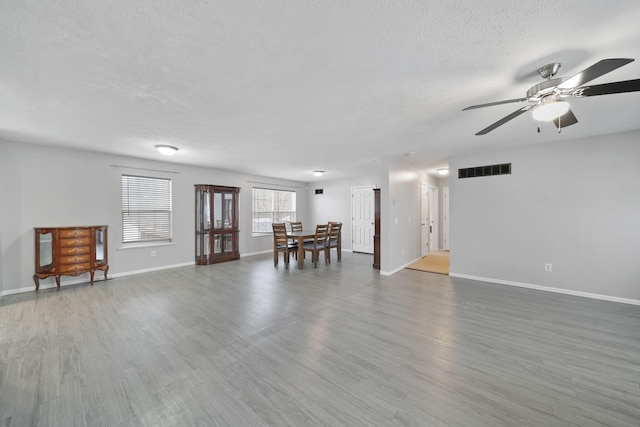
point(548, 289)
point(152, 269)
point(96, 280)
point(44, 286)
point(268, 251)
point(392, 272)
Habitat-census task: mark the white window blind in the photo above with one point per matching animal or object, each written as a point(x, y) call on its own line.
point(146, 209)
point(271, 206)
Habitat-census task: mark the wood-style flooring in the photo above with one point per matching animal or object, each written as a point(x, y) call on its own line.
point(246, 344)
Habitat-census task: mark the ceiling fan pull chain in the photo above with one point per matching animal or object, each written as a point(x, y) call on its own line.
point(538, 127)
point(559, 124)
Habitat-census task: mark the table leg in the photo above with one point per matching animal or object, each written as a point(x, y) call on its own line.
point(300, 252)
point(275, 253)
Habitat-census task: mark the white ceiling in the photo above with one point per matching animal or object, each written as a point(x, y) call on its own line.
point(280, 88)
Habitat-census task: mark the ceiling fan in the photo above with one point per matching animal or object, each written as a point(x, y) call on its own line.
point(546, 98)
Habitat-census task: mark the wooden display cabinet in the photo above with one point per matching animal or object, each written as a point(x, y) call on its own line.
point(70, 251)
point(216, 224)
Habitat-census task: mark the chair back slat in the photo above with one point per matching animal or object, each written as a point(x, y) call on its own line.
point(296, 226)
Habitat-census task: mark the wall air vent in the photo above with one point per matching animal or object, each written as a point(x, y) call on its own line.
point(503, 169)
point(319, 191)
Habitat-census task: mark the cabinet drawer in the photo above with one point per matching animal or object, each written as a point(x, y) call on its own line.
point(74, 259)
point(74, 232)
point(75, 241)
point(75, 250)
point(74, 268)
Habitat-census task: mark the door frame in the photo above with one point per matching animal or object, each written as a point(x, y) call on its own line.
point(434, 218)
point(424, 219)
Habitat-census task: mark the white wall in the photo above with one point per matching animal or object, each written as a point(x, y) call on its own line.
point(400, 214)
point(574, 204)
point(45, 186)
point(335, 203)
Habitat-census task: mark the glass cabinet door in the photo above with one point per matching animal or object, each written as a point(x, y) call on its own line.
point(45, 250)
point(203, 225)
point(101, 245)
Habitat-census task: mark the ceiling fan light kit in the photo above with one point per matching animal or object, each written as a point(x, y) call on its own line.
point(546, 98)
point(550, 108)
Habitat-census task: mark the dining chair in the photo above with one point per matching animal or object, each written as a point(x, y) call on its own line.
point(282, 244)
point(334, 240)
point(318, 244)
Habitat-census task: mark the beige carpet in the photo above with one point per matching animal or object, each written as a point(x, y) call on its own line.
point(435, 262)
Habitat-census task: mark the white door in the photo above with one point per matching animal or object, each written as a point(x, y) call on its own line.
point(424, 220)
point(362, 218)
point(433, 218)
point(445, 218)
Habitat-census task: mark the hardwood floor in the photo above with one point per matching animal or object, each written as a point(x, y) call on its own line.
point(244, 343)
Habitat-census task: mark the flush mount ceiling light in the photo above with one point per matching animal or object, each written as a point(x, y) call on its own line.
point(318, 173)
point(443, 171)
point(167, 150)
point(550, 108)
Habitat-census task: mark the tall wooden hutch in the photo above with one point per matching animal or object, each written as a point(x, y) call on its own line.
point(216, 224)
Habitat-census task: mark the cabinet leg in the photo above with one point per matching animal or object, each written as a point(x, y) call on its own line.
point(37, 280)
point(105, 272)
point(58, 282)
point(92, 273)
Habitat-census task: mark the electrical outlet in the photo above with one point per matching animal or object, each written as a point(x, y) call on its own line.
point(548, 267)
point(153, 253)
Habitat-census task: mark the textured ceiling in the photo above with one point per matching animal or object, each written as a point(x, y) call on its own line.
point(280, 88)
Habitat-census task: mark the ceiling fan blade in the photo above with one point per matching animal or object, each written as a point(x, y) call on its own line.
point(567, 119)
point(505, 119)
point(610, 88)
point(596, 70)
point(489, 104)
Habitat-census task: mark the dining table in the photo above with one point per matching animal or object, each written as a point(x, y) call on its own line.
point(301, 236)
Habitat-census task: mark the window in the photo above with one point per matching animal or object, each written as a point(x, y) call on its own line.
point(271, 206)
point(146, 209)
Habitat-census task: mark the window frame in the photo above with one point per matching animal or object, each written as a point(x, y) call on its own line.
point(276, 215)
point(155, 214)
